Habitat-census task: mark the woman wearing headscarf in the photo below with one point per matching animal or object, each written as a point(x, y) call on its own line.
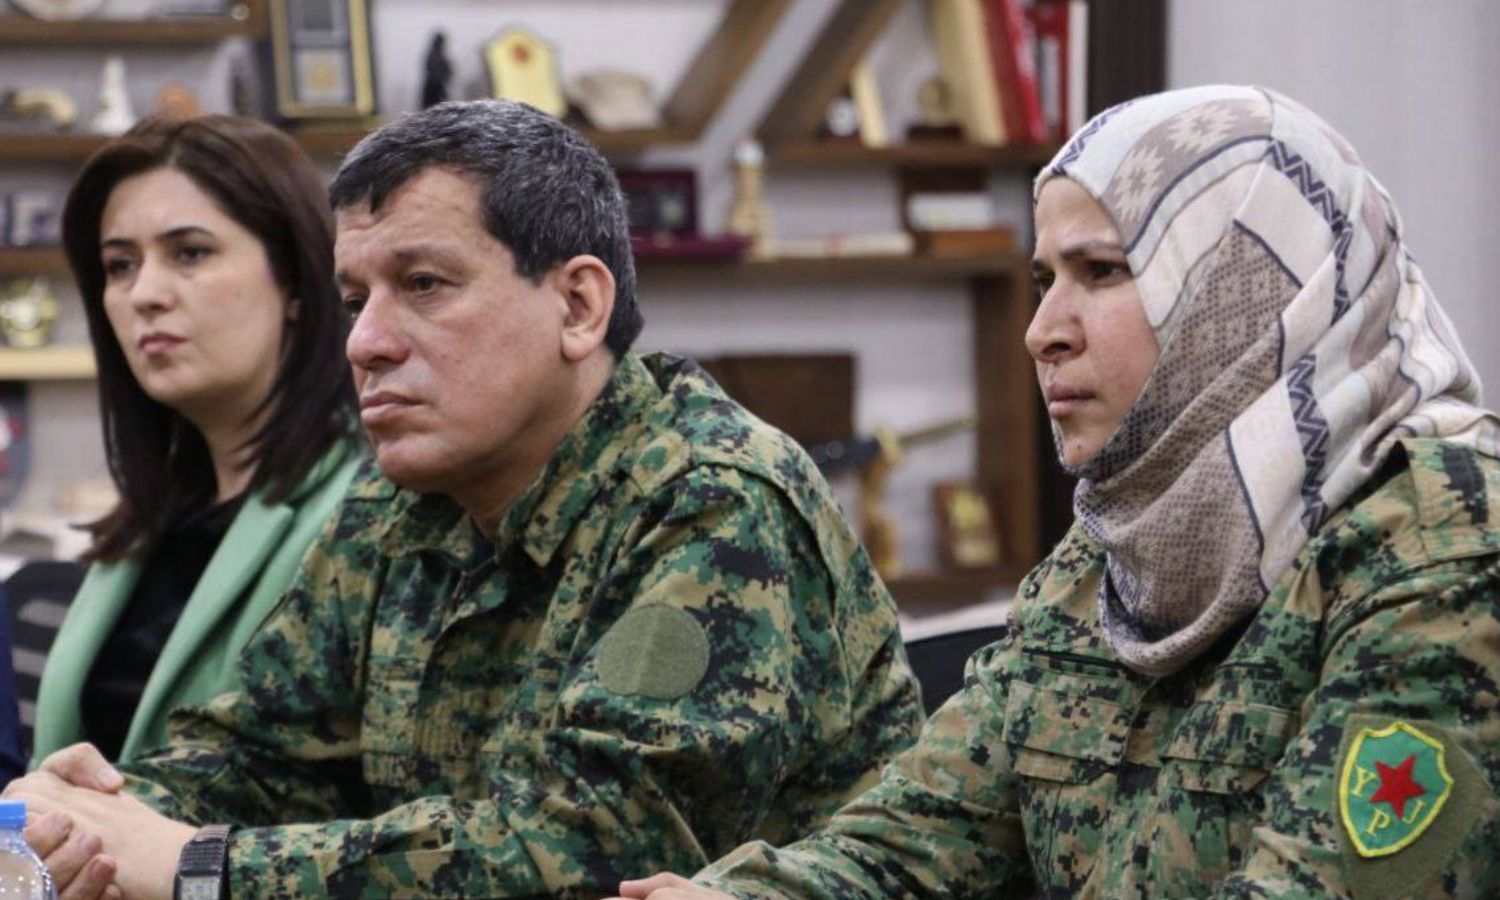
point(1265, 661)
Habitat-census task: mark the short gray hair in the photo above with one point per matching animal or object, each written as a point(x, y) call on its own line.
point(545, 192)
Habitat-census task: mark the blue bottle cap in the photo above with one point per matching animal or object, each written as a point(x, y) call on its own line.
point(12, 813)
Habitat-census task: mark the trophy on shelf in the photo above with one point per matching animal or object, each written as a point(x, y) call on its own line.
point(937, 112)
point(27, 311)
point(749, 216)
point(524, 67)
point(967, 536)
point(874, 457)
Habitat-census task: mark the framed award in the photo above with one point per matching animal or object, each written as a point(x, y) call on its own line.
point(321, 59)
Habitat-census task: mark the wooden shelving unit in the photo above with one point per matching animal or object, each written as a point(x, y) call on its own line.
point(46, 364)
point(913, 154)
point(48, 148)
point(712, 75)
point(1009, 434)
point(246, 19)
point(1008, 430)
point(838, 268)
point(333, 140)
point(50, 261)
point(15, 261)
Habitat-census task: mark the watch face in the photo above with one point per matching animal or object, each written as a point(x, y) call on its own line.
point(197, 887)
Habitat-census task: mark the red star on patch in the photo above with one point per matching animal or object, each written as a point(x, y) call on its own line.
point(1396, 785)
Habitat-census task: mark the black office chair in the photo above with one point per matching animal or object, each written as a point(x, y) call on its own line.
point(39, 593)
point(938, 661)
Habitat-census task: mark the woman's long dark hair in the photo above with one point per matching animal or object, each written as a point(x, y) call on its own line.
point(261, 179)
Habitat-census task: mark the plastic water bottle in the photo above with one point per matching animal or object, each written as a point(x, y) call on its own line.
point(22, 875)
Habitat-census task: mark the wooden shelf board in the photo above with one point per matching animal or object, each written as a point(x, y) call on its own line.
point(46, 364)
point(32, 261)
point(912, 268)
point(333, 139)
point(846, 34)
point(24, 147)
point(18, 30)
point(924, 154)
point(51, 261)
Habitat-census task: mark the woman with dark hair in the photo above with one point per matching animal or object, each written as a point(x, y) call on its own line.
point(203, 250)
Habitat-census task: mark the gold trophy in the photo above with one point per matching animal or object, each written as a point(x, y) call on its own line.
point(27, 311)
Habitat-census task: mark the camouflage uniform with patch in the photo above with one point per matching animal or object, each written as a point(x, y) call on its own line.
point(674, 645)
point(1344, 743)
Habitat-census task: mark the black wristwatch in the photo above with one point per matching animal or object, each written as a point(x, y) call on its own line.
point(203, 867)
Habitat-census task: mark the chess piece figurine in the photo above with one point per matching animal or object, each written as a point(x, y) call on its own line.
point(749, 216)
point(437, 71)
point(115, 115)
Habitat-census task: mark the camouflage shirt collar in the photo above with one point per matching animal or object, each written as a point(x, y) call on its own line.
point(542, 516)
point(546, 511)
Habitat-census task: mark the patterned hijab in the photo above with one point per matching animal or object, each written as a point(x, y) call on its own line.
point(1298, 341)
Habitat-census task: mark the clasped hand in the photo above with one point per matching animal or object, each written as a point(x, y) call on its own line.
point(97, 841)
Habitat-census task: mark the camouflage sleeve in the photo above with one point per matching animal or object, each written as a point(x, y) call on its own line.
point(1389, 788)
point(712, 690)
point(944, 821)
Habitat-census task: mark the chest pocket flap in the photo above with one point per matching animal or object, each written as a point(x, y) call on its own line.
point(1229, 746)
point(1059, 735)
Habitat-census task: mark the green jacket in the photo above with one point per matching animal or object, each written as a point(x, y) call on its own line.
point(1346, 743)
point(246, 576)
point(674, 644)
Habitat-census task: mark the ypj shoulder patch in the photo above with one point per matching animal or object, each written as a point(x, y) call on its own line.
point(1395, 782)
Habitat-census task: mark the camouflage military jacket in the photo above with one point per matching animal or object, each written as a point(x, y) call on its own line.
point(1344, 743)
point(674, 644)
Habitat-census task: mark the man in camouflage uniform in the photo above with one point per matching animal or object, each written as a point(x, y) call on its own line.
point(589, 618)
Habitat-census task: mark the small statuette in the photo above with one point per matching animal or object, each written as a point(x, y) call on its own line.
point(437, 71)
point(27, 311)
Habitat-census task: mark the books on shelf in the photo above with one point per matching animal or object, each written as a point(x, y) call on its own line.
point(1017, 69)
point(1012, 51)
point(1061, 29)
point(885, 243)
